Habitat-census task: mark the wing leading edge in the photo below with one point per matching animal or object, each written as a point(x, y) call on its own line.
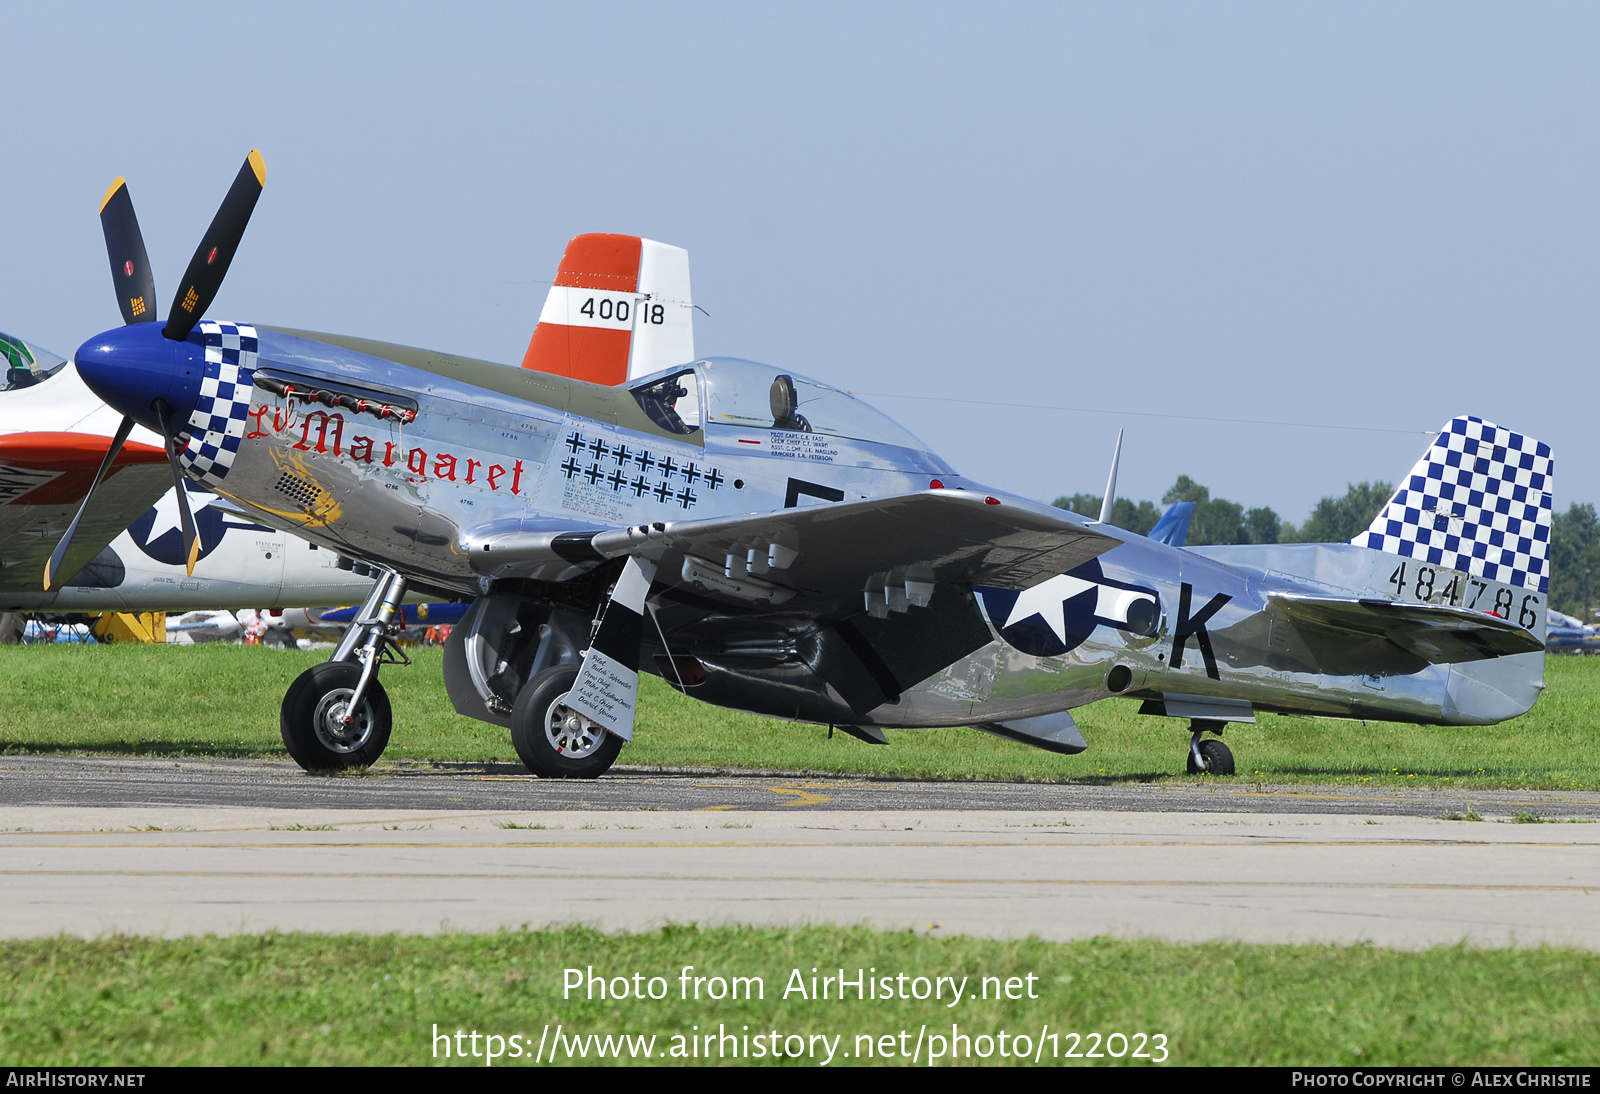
point(823, 560)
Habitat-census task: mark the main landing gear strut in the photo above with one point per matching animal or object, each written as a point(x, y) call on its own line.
point(336, 715)
point(1208, 757)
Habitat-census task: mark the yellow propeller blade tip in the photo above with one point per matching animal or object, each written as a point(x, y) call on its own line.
point(115, 186)
point(194, 554)
point(258, 165)
point(46, 577)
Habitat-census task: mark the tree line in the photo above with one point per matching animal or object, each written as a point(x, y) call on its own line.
point(1574, 535)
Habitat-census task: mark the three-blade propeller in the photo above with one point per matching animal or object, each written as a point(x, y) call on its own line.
point(136, 296)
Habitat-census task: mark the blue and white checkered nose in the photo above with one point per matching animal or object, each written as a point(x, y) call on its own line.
point(131, 367)
point(207, 380)
point(215, 425)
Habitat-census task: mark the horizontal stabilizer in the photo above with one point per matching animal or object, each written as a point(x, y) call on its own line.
point(1332, 629)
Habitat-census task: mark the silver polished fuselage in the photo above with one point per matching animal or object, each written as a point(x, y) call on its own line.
point(497, 450)
point(1253, 664)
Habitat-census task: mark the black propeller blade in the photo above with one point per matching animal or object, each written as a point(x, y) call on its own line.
point(136, 294)
point(130, 265)
point(217, 247)
point(191, 535)
point(52, 568)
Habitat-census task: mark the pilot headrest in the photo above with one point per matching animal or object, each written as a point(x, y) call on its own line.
point(783, 399)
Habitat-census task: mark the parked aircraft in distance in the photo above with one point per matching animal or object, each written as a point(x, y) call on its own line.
point(767, 542)
point(1173, 527)
point(1569, 635)
point(289, 627)
point(619, 309)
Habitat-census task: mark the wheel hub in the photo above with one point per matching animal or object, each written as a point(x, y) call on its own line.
point(571, 734)
point(329, 721)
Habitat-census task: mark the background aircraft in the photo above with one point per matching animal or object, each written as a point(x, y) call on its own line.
point(1571, 635)
point(619, 308)
point(1173, 527)
point(767, 542)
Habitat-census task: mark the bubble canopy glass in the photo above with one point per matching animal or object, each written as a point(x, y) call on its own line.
point(749, 395)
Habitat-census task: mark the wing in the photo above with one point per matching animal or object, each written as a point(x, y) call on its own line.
point(872, 595)
point(43, 478)
point(825, 559)
point(1362, 635)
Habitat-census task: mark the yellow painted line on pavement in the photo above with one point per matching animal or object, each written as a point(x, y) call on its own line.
point(806, 797)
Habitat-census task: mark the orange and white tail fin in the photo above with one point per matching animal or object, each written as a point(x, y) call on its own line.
point(619, 309)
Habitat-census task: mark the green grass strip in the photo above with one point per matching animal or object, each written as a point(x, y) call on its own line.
point(321, 999)
point(222, 700)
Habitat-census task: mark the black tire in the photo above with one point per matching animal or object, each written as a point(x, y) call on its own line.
point(315, 698)
point(1219, 760)
point(552, 742)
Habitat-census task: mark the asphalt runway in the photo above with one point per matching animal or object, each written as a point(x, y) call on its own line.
point(279, 784)
point(96, 846)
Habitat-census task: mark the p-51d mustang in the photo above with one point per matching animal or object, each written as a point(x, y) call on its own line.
point(769, 543)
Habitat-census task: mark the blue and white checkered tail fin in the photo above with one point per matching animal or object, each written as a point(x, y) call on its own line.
point(1478, 501)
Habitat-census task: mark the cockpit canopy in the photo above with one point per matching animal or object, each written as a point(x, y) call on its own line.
point(725, 391)
point(26, 365)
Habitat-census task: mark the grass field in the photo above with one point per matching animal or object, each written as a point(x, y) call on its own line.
point(290, 999)
point(220, 700)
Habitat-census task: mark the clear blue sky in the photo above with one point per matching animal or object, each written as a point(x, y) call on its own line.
point(1370, 216)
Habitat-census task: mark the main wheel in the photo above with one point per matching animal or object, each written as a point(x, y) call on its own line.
point(1219, 760)
point(313, 715)
point(554, 741)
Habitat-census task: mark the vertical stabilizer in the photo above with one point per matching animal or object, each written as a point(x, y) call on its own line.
point(1478, 501)
point(1173, 527)
point(619, 308)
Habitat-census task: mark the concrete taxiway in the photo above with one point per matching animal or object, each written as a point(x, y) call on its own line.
point(220, 847)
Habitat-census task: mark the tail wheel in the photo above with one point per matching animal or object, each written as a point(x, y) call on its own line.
point(313, 719)
point(1219, 760)
point(553, 740)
